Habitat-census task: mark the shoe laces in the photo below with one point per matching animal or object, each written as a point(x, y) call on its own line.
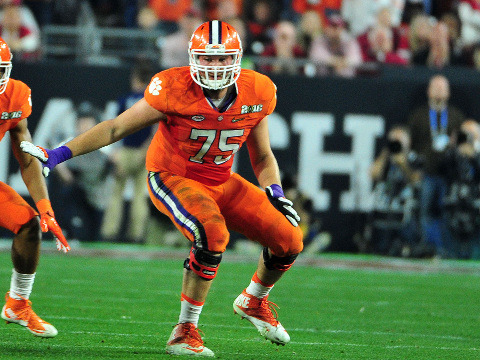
point(190, 332)
point(268, 310)
point(24, 311)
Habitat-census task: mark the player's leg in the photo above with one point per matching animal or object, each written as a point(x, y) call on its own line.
point(113, 215)
point(192, 208)
point(252, 215)
point(20, 218)
point(139, 211)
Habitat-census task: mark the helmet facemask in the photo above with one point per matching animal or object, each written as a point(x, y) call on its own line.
point(6, 68)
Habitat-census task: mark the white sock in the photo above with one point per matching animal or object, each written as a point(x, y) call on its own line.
point(257, 288)
point(190, 310)
point(21, 285)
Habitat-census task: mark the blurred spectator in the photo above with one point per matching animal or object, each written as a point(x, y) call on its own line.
point(461, 165)
point(81, 186)
point(147, 19)
point(324, 8)
point(109, 13)
point(469, 13)
point(129, 161)
point(378, 46)
point(23, 36)
point(241, 28)
point(336, 51)
point(261, 22)
point(430, 42)
point(284, 48)
point(431, 126)
point(384, 43)
point(315, 240)
point(169, 12)
point(310, 27)
point(421, 28)
point(392, 228)
point(222, 9)
point(413, 8)
point(458, 54)
point(362, 14)
point(173, 46)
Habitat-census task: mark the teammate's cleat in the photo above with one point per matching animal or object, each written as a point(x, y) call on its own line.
point(259, 313)
point(20, 312)
point(185, 340)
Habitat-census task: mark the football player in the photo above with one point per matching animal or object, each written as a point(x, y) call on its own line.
point(206, 111)
point(15, 213)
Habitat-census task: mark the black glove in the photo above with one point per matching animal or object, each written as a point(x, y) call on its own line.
point(281, 203)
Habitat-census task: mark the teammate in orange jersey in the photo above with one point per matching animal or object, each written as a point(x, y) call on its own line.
point(205, 113)
point(15, 213)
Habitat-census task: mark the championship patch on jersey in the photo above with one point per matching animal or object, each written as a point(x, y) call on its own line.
point(11, 115)
point(247, 109)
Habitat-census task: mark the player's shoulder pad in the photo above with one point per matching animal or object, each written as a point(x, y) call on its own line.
point(18, 88)
point(263, 86)
point(174, 77)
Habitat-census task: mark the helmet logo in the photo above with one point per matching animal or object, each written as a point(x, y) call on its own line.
point(155, 87)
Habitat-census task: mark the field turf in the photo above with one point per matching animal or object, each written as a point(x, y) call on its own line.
point(107, 306)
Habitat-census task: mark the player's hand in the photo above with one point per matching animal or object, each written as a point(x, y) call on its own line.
point(281, 203)
point(49, 158)
point(49, 223)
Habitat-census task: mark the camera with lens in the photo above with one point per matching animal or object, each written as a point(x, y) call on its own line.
point(464, 137)
point(394, 146)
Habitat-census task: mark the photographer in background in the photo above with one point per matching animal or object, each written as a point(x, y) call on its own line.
point(392, 227)
point(461, 166)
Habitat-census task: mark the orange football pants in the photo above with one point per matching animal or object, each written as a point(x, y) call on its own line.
point(205, 213)
point(14, 210)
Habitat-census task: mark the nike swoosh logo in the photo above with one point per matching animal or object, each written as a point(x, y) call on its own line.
point(236, 120)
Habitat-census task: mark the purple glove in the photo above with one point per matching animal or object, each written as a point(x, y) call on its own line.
point(281, 203)
point(49, 158)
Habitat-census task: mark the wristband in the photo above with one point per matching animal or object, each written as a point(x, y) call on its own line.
point(59, 155)
point(44, 206)
point(277, 191)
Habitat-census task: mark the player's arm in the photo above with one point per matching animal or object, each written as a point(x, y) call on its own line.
point(31, 171)
point(266, 170)
point(105, 133)
point(137, 117)
point(263, 160)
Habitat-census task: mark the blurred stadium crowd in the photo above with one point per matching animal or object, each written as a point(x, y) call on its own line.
point(311, 37)
point(423, 207)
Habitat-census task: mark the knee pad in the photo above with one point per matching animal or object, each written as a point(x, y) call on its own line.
point(273, 262)
point(203, 263)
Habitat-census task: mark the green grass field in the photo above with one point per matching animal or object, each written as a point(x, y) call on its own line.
point(124, 308)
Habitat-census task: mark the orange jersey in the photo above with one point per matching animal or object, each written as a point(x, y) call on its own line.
point(15, 105)
point(198, 141)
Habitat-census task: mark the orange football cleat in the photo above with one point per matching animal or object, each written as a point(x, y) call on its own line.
point(20, 312)
point(186, 340)
point(259, 313)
